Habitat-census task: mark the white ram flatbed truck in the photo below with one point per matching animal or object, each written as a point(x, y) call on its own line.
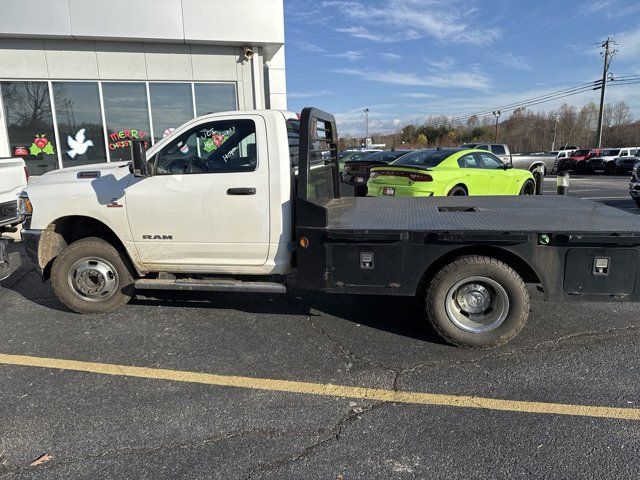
point(248, 202)
point(13, 178)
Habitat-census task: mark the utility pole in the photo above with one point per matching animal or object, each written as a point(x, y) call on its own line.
point(366, 140)
point(608, 54)
point(553, 142)
point(497, 115)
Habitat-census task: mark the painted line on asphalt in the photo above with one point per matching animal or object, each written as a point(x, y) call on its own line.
point(326, 390)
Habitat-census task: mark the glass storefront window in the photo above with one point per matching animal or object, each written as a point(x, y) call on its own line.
point(30, 124)
point(215, 97)
point(127, 116)
point(171, 106)
point(79, 119)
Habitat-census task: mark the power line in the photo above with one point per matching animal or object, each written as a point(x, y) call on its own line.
point(523, 104)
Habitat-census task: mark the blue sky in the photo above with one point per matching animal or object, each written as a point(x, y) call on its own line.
point(408, 59)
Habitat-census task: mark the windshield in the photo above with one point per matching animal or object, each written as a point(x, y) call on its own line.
point(579, 153)
point(423, 158)
point(610, 153)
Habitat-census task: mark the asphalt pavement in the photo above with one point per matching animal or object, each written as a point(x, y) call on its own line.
point(340, 387)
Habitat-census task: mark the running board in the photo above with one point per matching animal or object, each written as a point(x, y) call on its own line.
point(212, 285)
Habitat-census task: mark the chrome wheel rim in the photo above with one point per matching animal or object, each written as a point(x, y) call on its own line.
point(477, 305)
point(93, 279)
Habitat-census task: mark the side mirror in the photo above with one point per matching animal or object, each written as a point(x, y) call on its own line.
point(139, 155)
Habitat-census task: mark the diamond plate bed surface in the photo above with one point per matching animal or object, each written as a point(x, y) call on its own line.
point(531, 214)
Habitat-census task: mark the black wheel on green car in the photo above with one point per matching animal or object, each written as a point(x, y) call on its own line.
point(91, 276)
point(529, 188)
point(458, 191)
point(477, 302)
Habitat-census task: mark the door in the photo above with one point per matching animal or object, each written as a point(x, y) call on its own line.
point(207, 203)
point(477, 179)
point(501, 179)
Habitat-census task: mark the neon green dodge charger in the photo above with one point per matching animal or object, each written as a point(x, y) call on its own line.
point(449, 172)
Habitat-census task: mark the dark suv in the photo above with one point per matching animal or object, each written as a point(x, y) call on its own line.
point(356, 172)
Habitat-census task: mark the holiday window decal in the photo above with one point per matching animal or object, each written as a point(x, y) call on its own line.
point(78, 145)
point(41, 144)
point(214, 139)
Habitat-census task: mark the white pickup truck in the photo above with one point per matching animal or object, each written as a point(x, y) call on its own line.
point(13, 178)
point(251, 202)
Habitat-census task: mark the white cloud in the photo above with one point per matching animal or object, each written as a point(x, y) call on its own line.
point(629, 47)
point(390, 56)
point(309, 47)
point(351, 55)
point(589, 8)
point(418, 95)
point(608, 8)
point(451, 21)
point(474, 81)
point(301, 95)
point(513, 61)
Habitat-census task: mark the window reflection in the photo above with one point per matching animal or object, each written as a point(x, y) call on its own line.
point(171, 106)
point(30, 124)
point(215, 97)
point(79, 119)
point(127, 116)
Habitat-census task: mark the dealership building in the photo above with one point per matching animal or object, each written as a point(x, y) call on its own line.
point(96, 74)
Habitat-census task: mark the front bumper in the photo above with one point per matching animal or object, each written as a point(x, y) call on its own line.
point(31, 243)
point(9, 263)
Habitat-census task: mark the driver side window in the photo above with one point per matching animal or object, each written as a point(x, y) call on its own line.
point(490, 161)
point(224, 146)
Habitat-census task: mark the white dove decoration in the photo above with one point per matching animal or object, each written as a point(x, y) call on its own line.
point(79, 145)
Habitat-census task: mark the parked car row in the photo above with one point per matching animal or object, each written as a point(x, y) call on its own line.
point(608, 160)
point(436, 172)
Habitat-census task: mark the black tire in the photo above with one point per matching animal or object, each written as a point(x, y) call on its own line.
point(458, 191)
point(581, 168)
point(529, 188)
point(83, 256)
point(515, 313)
point(610, 168)
point(637, 202)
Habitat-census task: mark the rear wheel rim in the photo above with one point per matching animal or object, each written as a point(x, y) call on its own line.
point(477, 305)
point(93, 279)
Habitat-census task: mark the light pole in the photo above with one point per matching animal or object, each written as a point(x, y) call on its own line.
point(366, 140)
point(497, 115)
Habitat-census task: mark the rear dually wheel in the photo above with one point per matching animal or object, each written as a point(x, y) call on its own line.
point(477, 302)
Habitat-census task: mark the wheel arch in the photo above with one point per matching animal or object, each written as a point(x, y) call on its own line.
point(65, 230)
point(520, 265)
point(455, 184)
point(535, 165)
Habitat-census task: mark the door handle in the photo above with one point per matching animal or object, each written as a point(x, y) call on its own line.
point(241, 191)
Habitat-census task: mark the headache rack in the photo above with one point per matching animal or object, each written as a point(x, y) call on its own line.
point(318, 167)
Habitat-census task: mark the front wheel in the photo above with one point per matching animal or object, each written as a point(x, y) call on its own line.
point(477, 302)
point(91, 276)
point(637, 202)
point(529, 188)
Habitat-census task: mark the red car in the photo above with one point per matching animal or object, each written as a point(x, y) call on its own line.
point(576, 162)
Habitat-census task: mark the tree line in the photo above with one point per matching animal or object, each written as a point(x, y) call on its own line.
point(524, 130)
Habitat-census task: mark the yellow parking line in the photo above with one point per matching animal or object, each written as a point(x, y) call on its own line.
point(322, 389)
